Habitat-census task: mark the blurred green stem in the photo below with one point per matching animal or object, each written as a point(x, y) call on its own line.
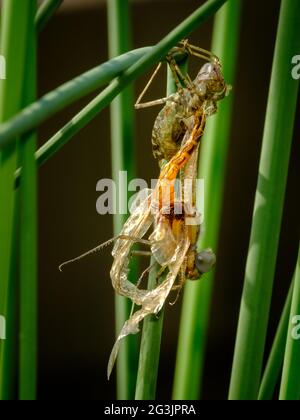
point(35, 114)
point(53, 102)
point(123, 159)
point(153, 325)
point(213, 156)
point(267, 213)
point(28, 229)
point(15, 26)
point(274, 364)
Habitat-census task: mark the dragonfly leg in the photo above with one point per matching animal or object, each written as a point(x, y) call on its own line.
point(162, 101)
point(140, 254)
point(179, 286)
point(178, 75)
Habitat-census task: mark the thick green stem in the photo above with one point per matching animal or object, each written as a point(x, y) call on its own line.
point(290, 381)
point(15, 26)
point(267, 214)
point(197, 295)
point(274, 364)
point(123, 159)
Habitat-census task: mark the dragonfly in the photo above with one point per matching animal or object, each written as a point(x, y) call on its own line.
point(173, 241)
point(177, 115)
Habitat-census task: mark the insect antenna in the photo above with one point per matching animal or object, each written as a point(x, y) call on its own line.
point(86, 254)
point(100, 247)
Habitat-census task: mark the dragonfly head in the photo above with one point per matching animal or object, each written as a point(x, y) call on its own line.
point(210, 83)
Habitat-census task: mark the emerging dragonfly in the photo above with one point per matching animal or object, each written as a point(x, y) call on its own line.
point(192, 97)
point(176, 223)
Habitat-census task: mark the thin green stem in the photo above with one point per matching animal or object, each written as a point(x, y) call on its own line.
point(197, 295)
point(15, 25)
point(28, 230)
point(153, 325)
point(10, 366)
point(35, 114)
point(150, 348)
point(45, 12)
point(123, 158)
point(68, 93)
point(290, 381)
point(274, 364)
point(267, 214)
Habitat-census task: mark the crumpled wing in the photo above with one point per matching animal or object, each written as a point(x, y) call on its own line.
point(164, 244)
point(153, 300)
point(136, 227)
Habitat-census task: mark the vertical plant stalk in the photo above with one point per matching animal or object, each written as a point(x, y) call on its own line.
point(45, 12)
point(123, 159)
point(267, 214)
point(197, 295)
point(153, 325)
point(290, 381)
point(150, 348)
point(28, 228)
point(15, 22)
point(274, 364)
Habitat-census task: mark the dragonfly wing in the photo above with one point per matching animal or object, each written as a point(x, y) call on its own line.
point(163, 242)
point(136, 227)
point(139, 221)
point(153, 301)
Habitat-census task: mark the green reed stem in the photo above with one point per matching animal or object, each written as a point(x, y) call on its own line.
point(28, 229)
point(45, 12)
point(150, 348)
point(15, 26)
point(55, 101)
point(290, 381)
point(275, 360)
point(68, 93)
point(267, 214)
point(213, 156)
point(123, 159)
point(10, 365)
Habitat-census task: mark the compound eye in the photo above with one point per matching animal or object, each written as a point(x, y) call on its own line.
point(205, 260)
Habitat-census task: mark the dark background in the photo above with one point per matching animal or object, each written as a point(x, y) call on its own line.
point(77, 307)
